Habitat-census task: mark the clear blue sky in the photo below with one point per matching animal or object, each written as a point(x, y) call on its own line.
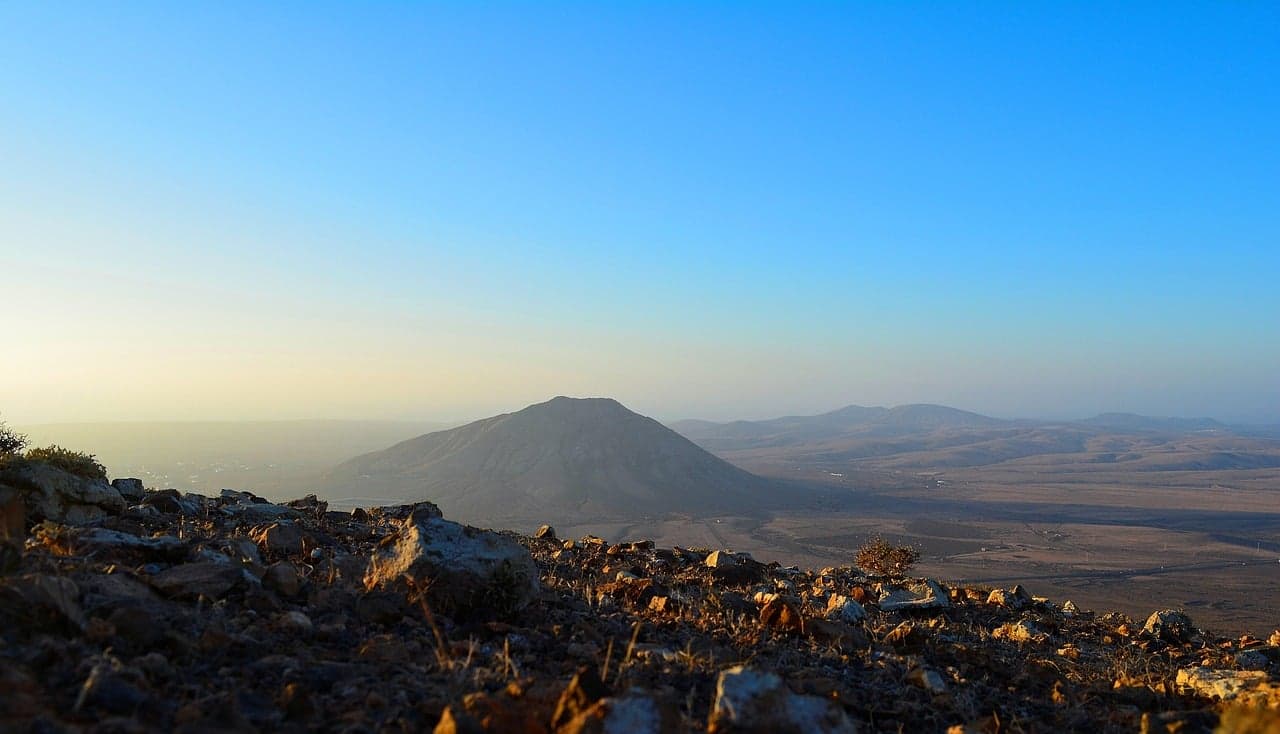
point(720, 209)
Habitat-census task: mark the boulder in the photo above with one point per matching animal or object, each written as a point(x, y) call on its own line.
point(1020, 632)
point(1015, 598)
point(106, 539)
point(53, 494)
point(723, 559)
point(463, 569)
point(843, 609)
point(1169, 625)
point(754, 702)
point(283, 578)
point(1245, 686)
point(130, 489)
point(918, 595)
point(204, 578)
point(634, 713)
point(280, 538)
point(545, 532)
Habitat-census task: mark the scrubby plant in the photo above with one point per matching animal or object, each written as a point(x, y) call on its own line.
point(72, 462)
point(879, 557)
point(11, 442)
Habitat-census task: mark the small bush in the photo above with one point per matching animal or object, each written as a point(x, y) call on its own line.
point(74, 462)
point(11, 442)
point(878, 557)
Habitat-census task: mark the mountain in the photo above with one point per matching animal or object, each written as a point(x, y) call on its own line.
point(1135, 422)
point(588, 458)
point(849, 420)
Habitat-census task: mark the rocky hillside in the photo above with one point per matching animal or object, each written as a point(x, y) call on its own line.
point(130, 610)
point(586, 458)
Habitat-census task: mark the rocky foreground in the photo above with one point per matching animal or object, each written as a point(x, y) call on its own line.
point(130, 610)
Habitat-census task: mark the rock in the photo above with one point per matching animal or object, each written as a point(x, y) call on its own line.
point(1252, 660)
point(928, 679)
point(105, 539)
point(633, 713)
point(545, 532)
point(1246, 686)
point(283, 578)
point(13, 525)
point(583, 691)
point(925, 594)
point(252, 509)
point(53, 494)
point(44, 598)
point(781, 613)
point(209, 579)
point(663, 605)
point(381, 607)
point(462, 568)
point(754, 702)
point(295, 623)
point(295, 701)
point(722, 559)
point(130, 489)
point(843, 609)
point(1020, 632)
point(310, 505)
point(280, 539)
point(1169, 625)
point(1015, 598)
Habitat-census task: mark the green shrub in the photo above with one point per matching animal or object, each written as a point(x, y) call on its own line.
point(878, 557)
point(11, 442)
point(74, 462)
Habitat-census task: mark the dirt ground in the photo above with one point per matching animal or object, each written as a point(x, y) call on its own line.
point(1206, 542)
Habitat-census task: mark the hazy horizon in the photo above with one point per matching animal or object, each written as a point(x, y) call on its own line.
point(246, 212)
point(444, 422)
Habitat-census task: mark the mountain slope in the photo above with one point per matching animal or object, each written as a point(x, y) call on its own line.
point(580, 458)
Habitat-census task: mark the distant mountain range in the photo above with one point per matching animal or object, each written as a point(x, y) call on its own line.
point(571, 458)
point(933, 437)
point(902, 419)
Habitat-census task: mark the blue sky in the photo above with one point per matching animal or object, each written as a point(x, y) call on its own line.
point(717, 209)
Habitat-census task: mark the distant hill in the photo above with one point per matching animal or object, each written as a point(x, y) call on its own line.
point(850, 420)
point(586, 458)
point(1134, 422)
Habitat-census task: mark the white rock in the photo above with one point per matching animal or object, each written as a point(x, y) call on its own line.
point(459, 563)
point(916, 595)
point(1229, 685)
point(722, 559)
point(53, 494)
point(756, 701)
point(844, 609)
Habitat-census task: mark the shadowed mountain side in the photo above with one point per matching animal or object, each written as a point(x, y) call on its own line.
point(565, 458)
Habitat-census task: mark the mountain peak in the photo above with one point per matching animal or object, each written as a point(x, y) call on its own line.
point(582, 457)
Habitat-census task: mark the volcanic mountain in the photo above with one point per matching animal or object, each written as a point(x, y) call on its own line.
point(576, 458)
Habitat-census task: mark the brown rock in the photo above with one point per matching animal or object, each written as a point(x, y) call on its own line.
point(545, 532)
point(210, 579)
point(280, 539)
point(282, 577)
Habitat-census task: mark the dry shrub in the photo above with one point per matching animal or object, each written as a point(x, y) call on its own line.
point(878, 557)
point(72, 462)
